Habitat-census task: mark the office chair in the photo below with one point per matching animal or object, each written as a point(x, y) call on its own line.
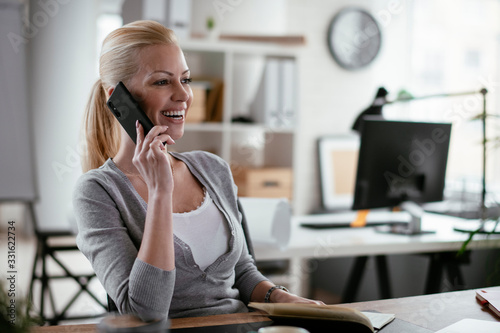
point(244, 224)
point(46, 249)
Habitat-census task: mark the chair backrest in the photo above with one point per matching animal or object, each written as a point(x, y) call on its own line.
point(244, 224)
point(246, 232)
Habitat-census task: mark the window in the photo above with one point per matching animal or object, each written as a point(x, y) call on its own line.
point(456, 48)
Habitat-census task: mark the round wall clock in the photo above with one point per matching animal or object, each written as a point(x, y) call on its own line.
point(354, 38)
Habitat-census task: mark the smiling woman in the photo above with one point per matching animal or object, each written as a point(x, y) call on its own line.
point(162, 230)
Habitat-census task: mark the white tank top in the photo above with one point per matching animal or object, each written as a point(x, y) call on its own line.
point(204, 230)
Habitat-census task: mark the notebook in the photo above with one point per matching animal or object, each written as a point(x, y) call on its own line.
point(489, 299)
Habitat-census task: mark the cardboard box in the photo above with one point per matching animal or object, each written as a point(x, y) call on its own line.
point(264, 182)
point(198, 111)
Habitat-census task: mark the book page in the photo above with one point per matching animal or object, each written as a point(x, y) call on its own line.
point(379, 320)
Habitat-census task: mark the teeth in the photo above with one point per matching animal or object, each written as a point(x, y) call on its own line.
point(174, 113)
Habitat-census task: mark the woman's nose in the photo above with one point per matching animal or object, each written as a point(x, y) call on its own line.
point(181, 93)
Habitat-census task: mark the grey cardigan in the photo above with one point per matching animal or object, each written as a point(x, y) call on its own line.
point(110, 216)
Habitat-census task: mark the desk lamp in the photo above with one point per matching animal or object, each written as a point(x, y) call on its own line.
point(373, 110)
point(376, 109)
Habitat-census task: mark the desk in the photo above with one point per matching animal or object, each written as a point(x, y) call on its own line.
point(433, 312)
point(308, 244)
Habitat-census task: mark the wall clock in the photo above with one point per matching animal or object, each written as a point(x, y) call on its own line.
point(354, 38)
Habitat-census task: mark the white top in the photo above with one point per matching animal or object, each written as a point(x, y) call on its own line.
point(204, 230)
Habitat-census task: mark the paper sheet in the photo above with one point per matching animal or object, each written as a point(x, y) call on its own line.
point(472, 325)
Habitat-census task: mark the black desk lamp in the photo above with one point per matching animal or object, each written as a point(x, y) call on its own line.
point(373, 110)
point(376, 109)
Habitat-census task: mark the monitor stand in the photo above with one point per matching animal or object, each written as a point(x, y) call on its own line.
point(414, 227)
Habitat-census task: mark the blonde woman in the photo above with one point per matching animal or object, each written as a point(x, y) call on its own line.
point(161, 229)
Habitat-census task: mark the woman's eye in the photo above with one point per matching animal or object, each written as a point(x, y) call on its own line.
point(187, 80)
point(161, 82)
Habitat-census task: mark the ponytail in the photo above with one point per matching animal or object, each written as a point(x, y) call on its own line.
point(101, 130)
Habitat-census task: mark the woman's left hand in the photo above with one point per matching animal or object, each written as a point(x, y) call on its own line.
point(281, 296)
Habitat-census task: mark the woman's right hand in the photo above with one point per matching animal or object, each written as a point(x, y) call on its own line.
point(151, 159)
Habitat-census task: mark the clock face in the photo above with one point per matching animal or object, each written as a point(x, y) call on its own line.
point(354, 38)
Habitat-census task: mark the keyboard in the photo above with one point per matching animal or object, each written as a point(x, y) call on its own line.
point(344, 219)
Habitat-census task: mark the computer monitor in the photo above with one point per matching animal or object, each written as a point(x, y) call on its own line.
point(401, 163)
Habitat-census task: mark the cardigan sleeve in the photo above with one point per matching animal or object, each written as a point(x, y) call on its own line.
point(135, 286)
point(247, 276)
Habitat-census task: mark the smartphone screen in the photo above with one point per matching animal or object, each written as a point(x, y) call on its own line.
point(127, 111)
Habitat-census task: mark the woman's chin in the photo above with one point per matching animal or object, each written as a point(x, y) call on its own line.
point(176, 134)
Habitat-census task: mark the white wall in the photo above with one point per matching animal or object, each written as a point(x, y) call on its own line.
point(258, 17)
point(61, 71)
point(332, 97)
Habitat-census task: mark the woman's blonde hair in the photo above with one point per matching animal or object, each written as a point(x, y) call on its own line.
point(118, 62)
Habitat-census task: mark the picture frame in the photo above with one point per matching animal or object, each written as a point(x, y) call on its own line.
point(338, 158)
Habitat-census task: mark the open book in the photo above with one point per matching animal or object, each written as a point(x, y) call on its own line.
point(319, 318)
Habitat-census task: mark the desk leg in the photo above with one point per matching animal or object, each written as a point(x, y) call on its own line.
point(383, 277)
point(356, 275)
point(438, 263)
point(354, 281)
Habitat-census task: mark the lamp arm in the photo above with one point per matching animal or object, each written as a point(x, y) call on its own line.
point(381, 102)
point(483, 194)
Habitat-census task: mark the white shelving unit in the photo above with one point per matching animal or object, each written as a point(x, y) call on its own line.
point(240, 66)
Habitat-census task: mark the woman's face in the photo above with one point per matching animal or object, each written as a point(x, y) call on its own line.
point(161, 86)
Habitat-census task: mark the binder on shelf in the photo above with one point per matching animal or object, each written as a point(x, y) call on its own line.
point(174, 14)
point(275, 105)
point(288, 93)
point(178, 17)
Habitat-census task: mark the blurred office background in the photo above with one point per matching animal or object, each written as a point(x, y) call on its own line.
point(427, 47)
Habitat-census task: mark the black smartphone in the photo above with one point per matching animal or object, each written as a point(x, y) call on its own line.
point(127, 111)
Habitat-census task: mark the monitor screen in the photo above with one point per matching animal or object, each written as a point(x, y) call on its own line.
point(401, 161)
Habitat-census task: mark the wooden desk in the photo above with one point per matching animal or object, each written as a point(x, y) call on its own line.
point(433, 312)
point(308, 244)
point(430, 311)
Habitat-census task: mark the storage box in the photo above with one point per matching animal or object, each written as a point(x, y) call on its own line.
point(264, 182)
point(198, 111)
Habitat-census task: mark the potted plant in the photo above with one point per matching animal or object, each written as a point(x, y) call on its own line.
point(15, 312)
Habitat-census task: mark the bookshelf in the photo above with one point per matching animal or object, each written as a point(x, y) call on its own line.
point(240, 66)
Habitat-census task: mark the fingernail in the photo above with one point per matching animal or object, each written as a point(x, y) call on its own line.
point(137, 124)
